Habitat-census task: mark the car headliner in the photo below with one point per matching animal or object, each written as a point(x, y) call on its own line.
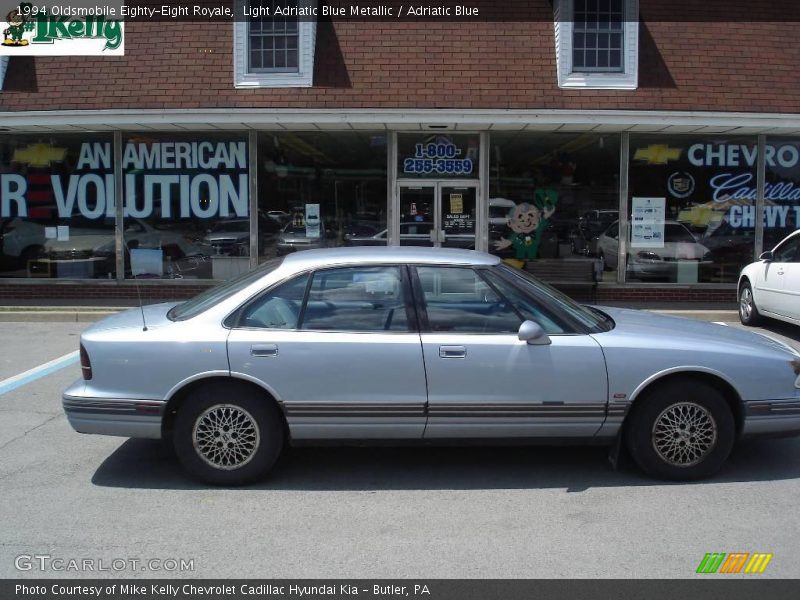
point(310, 259)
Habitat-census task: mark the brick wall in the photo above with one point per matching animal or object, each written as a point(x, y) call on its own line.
point(684, 65)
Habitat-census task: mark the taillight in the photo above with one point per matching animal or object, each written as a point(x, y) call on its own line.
point(86, 364)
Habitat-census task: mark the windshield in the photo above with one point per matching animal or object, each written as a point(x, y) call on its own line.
point(205, 300)
point(591, 319)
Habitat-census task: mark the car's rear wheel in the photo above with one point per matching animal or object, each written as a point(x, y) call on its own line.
point(228, 434)
point(748, 313)
point(681, 430)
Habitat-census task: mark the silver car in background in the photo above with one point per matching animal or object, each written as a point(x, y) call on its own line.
point(294, 238)
point(429, 345)
point(661, 261)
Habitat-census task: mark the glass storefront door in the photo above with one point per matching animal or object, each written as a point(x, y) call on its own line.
point(417, 214)
point(458, 213)
point(438, 214)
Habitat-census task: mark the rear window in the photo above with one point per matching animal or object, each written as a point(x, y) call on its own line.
point(205, 300)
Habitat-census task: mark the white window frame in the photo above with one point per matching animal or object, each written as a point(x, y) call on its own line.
point(627, 79)
point(306, 40)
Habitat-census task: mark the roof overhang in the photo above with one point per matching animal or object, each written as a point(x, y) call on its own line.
point(235, 119)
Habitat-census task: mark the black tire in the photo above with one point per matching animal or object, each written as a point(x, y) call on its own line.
point(680, 399)
point(748, 313)
point(258, 419)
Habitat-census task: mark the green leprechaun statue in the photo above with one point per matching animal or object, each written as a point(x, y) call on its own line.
point(528, 222)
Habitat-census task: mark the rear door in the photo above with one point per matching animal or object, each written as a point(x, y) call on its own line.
point(340, 350)
point(786, 267)
point(483, 381)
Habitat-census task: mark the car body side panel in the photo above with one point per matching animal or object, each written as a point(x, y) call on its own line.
point(768, 286)
point(128, 362)
point(788, 303)
point(775, 285)
point(504, 387)
point(640, 351)
point(334, 385)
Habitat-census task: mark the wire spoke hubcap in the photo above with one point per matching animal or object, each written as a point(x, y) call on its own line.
point(684, 433)
point(226, 436)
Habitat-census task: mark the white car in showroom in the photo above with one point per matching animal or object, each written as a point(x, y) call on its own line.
point(770, 287)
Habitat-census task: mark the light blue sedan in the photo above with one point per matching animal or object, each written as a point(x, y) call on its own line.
point(423, 344)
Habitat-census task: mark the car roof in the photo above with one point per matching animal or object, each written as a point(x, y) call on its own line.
point(309, 259)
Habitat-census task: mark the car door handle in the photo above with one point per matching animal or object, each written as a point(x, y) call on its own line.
point(264, 350)
point(452, 352)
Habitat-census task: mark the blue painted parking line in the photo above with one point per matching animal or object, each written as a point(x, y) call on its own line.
point(35, 373)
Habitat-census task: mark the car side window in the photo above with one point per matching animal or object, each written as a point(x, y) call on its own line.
point(362, 299)
point(528, 307)
point(788, 251)
point(457, 299)
point(613, 231)
point(277, 309)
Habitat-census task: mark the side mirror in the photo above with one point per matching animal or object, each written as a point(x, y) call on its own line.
point(767, 256)
point(533, 334)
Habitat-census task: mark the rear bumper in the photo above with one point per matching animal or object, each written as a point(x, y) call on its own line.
point(124, 417)
point(772, 418)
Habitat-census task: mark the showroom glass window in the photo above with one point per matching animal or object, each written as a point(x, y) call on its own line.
point(551, 194)
point(320, 190)
point(56, 206)
point(692, 208)
point(186, 205)
point(782, 189)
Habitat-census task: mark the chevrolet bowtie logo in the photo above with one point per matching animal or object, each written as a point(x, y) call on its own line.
point(39, 155)
point(657, 154)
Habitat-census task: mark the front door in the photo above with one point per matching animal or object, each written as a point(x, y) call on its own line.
point(438, 214)
point(784, 270)
point(484, 382)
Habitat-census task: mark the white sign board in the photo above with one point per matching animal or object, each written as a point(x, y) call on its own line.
point(647, 222)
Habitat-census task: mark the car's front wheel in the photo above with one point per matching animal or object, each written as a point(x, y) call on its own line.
point(228, 434)
point(681, 430)
point(748, 313)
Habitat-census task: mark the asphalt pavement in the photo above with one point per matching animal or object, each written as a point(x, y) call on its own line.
point(409, 512)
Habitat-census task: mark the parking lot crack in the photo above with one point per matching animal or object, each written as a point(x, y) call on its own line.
point(26, 432)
